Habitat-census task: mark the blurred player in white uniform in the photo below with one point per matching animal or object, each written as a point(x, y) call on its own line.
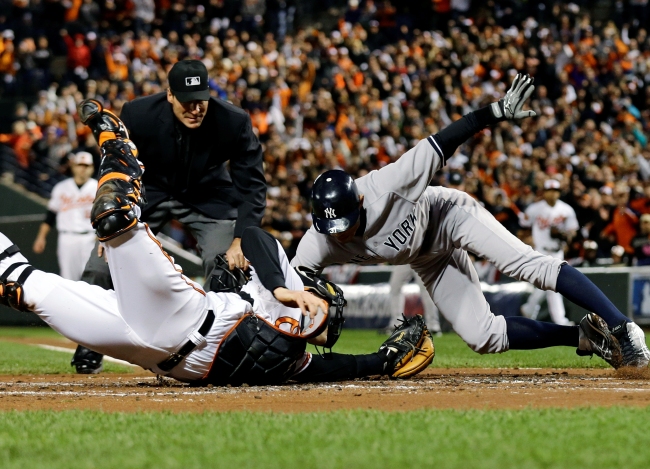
point(554, 223)
point(69, 208)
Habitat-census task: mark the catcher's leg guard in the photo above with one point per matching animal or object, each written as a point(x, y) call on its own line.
point(120, 187)
point(11, 291)
point(113, 214)
point(104, 124)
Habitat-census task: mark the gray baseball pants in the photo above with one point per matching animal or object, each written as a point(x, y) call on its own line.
point(458, 224)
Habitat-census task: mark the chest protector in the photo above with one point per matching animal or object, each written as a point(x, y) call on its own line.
point(255, 352)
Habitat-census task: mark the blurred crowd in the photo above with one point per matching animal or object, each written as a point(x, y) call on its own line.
point(355, 87)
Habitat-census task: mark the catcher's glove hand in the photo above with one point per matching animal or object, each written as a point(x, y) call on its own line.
point(510, 106)
point(409, 349)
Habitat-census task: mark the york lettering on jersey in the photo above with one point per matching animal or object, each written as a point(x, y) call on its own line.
point(402, 234)
point(359, 259)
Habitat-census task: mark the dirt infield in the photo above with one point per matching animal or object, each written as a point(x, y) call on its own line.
point(433, 389)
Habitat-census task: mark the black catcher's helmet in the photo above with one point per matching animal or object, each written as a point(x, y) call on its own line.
point(334, 202)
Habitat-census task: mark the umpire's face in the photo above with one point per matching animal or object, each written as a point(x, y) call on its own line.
point(190, 113)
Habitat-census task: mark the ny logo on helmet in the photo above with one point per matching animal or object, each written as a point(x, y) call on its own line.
point(329, 213)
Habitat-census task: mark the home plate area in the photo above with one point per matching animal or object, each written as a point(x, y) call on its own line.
point(435, 388)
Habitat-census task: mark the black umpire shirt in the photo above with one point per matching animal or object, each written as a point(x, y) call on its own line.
point(191, 165)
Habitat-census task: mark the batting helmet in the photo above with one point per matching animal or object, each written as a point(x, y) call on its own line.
point(334, 202)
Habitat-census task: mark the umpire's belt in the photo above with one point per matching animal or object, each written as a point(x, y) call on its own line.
point(175, 358)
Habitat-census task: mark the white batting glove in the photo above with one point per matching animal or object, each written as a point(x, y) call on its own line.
point(510, 106)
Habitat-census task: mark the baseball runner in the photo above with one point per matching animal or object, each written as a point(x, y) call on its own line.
point(553, 223)
point(69, 208)
point(161, 320)
point(391, 215)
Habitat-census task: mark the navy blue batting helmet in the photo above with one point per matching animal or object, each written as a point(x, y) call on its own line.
point(334, 202)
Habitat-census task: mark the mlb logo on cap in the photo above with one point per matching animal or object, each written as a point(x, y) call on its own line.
point(188, 81)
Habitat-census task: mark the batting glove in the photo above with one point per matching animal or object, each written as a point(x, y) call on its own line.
point(510, 106)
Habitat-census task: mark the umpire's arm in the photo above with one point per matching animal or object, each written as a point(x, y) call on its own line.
point(247, 173)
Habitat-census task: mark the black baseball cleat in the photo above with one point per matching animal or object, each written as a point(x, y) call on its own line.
point(595, 338)
point(87, 362)
point(104, 124)
point(633, 347)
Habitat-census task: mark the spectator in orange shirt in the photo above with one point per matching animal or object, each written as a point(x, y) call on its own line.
point(20, 140)
point(624, 222)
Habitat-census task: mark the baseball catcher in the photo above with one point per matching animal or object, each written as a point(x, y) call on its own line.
point(253, 329)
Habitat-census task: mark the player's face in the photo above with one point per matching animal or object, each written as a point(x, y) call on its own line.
point(347, 235)
point(190, 113)
point(81, 172)
point(551, 196)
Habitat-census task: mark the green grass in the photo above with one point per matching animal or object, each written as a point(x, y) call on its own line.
point(18, 359)
point(28, 332)
point(593, 438)
point(451, 352)
point(545, 439)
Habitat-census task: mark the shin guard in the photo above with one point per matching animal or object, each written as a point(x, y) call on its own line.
point(120, 190)
point(11, 291)
point(104, 124)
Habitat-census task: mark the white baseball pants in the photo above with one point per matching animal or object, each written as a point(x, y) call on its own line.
point(73, 251)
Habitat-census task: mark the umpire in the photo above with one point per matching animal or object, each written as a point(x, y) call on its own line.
point(186, 141)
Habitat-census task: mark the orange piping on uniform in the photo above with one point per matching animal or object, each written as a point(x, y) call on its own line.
point(191, 284)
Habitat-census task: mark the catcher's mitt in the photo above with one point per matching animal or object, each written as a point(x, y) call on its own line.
point(409, 349)
point(331, 293)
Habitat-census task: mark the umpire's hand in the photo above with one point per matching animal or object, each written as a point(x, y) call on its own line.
point(235, 256)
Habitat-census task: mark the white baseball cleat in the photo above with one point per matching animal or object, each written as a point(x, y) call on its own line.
point(633, 346)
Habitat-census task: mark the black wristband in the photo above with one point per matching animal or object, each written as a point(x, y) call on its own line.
point(50, 218)
point(486, 117)
point(452, 136)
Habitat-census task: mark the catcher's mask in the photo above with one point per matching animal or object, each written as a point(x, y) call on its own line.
point(331, 293)
point(224, 280)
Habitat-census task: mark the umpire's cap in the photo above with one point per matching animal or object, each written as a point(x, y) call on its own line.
point(334, 202)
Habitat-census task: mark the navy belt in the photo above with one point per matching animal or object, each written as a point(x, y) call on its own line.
point(175, 358)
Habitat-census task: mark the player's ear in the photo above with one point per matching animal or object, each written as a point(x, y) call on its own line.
point(170, 96)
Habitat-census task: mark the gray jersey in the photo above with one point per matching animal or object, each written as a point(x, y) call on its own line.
point(432, 228)
point(397, 215)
